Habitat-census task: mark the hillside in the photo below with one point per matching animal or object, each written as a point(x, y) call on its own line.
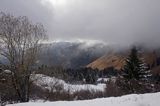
point(46, 83)
point(117, 60)
point(71, 54)
point(111, 60)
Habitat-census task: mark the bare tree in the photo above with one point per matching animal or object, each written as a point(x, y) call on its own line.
point(20, 44)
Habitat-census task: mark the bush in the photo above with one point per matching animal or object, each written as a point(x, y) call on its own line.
point(134, 86)
point(7, 92)
point(87, 94)
point(112, 89)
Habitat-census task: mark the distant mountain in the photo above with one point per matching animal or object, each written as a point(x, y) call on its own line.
point(71, 54)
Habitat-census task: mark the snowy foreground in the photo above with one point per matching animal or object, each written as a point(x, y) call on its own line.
point(129, 100)
point(46, 82)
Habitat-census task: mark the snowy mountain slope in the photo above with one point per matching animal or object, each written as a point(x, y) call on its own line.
point(129, 100)
point(47, 82)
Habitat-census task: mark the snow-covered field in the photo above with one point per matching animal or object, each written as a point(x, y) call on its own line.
point(129, 100)
point(47, 82)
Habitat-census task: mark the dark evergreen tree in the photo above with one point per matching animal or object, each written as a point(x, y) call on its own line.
point(134, 67)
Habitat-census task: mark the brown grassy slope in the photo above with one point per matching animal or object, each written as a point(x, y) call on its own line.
point(112, 60)
point(118, 60)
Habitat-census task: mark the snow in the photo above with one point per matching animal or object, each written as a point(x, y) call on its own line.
point(103, 80)
point(152, 99)
point(47, 82)
point(7, 71)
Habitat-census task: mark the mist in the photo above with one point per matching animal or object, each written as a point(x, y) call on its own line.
point(121, 22)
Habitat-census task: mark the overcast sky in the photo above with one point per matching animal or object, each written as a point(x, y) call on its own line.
point(112, 21)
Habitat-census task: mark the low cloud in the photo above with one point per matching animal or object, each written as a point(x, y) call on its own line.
point(121, 22)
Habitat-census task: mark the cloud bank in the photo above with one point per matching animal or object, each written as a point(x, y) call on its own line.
point(113, 21)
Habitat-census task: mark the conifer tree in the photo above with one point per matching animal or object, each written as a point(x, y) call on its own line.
point(134, 67)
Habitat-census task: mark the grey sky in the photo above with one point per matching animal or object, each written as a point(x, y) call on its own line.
point(113, 21)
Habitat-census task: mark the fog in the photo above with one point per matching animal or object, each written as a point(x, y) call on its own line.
point(122, 22)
